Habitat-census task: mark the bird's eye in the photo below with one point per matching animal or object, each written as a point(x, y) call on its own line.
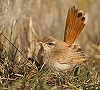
point(50, 43)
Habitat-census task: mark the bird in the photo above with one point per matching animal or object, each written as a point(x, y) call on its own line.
point(58, 55)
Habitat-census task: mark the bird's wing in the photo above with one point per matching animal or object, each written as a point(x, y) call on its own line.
point(74, 55)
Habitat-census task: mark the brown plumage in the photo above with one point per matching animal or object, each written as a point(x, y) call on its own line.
point(58, 55)
point(75, 23)
point(62, 56)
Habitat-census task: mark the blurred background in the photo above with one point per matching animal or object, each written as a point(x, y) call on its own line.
point(47, 18)
point(25, 21)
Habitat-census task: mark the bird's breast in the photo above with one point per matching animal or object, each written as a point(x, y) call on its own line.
point(62, 67)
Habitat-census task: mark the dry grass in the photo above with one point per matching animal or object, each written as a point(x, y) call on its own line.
point(19, 47)
point(18, 70)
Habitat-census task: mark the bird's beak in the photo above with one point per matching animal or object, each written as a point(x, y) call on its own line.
point(42, 44)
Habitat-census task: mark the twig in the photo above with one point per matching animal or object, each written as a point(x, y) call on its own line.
point(16, 48)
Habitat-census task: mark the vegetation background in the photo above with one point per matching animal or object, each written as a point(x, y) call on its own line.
point(23, 21)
